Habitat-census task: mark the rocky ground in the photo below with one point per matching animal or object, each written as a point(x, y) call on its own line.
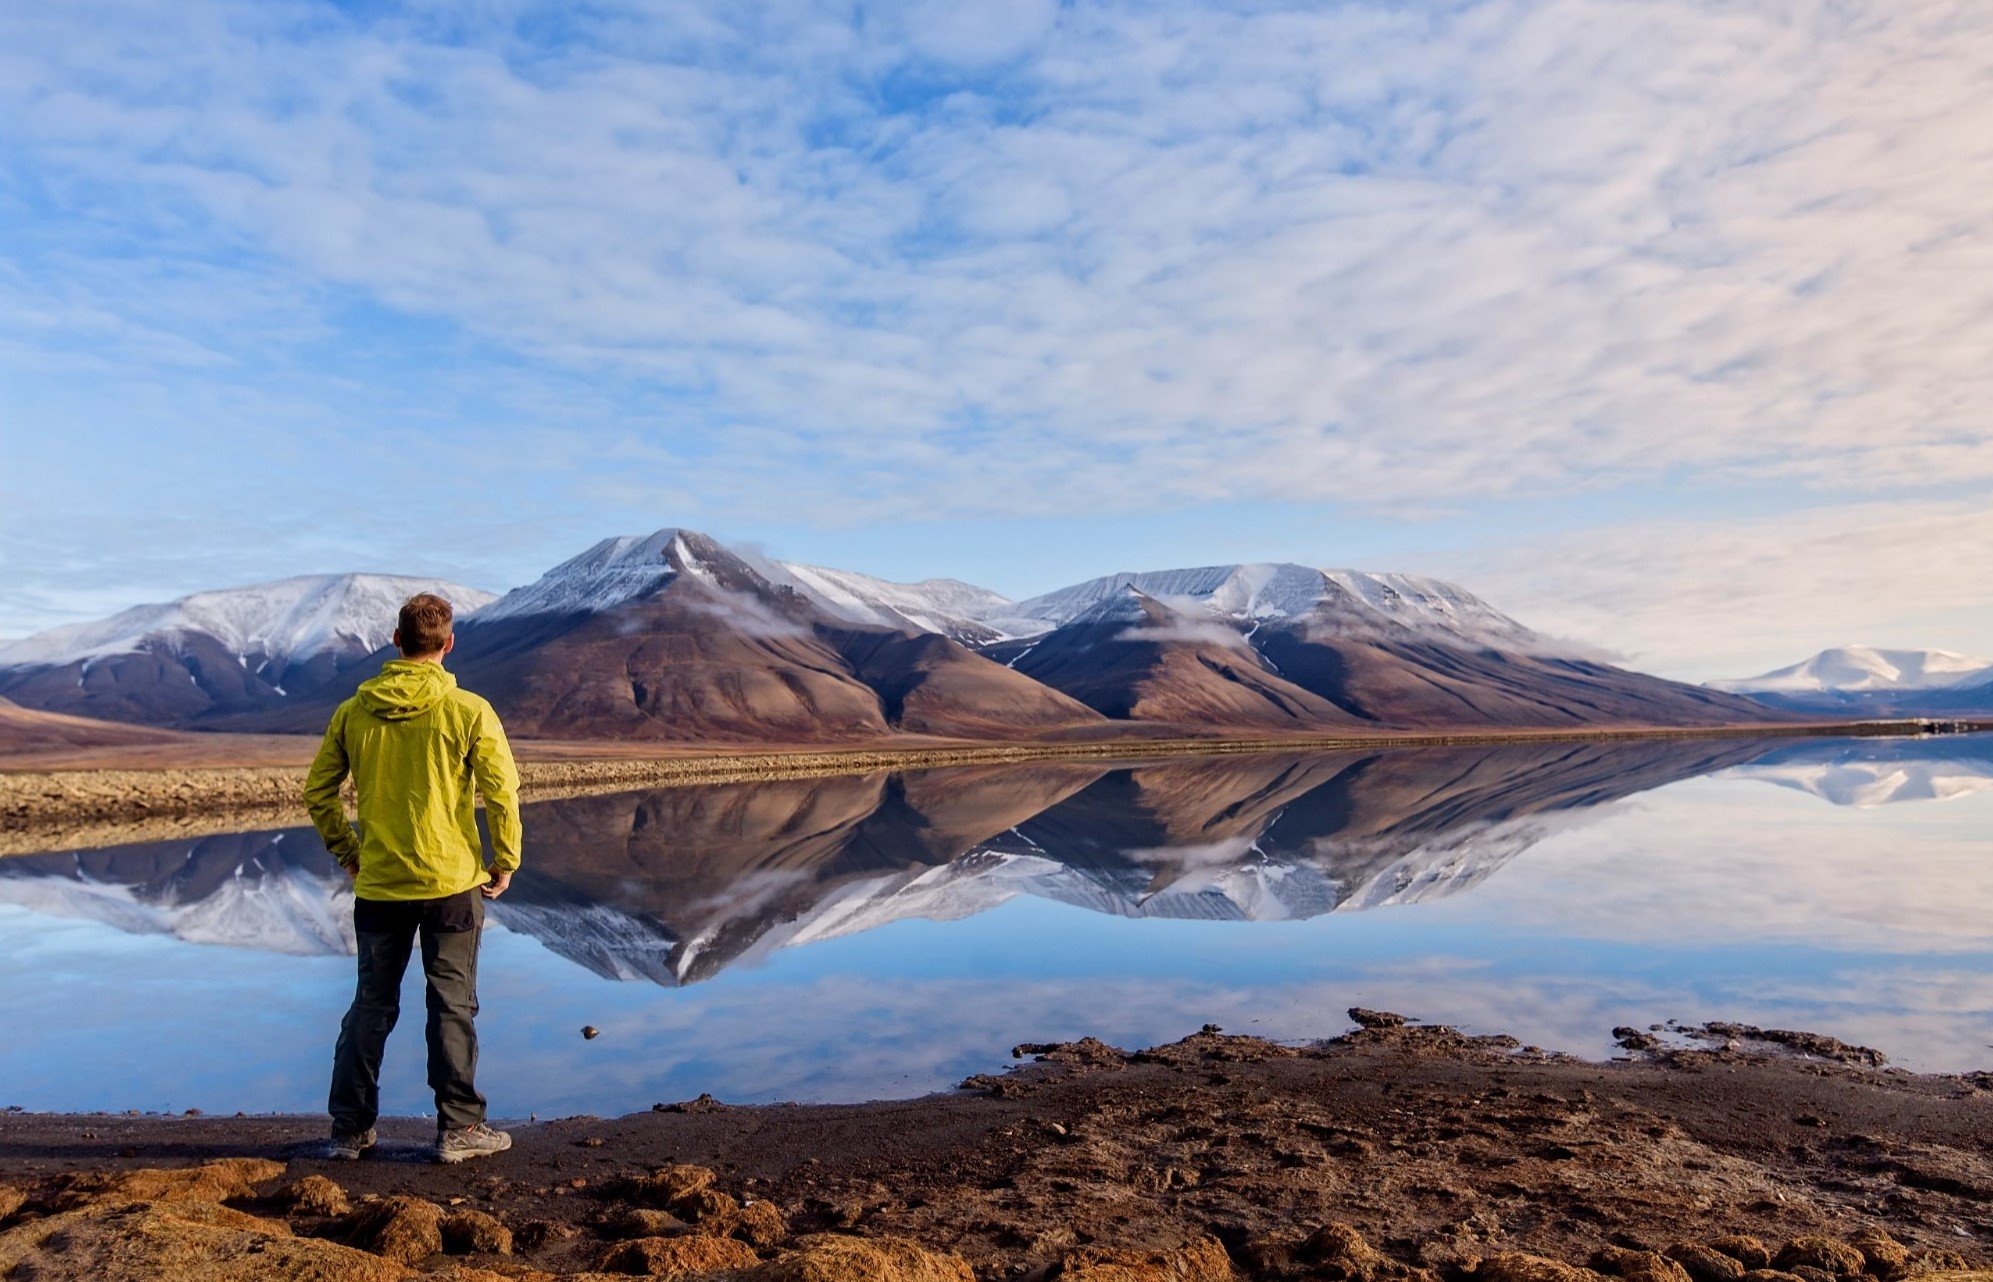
point(1396, 1154)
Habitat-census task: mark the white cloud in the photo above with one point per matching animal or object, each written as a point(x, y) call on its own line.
point(1739, 596)
point(1039, 258)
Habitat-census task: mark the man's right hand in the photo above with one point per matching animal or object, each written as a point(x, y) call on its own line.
point(352, 871)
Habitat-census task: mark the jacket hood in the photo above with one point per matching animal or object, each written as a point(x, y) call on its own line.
point(405, 689)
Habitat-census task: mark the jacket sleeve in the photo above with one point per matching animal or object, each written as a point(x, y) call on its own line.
point(321, 794)
point(498, 781)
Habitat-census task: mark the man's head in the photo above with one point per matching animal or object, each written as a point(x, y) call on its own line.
point(424, 629)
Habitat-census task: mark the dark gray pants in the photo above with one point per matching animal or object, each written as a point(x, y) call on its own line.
point(386, 931)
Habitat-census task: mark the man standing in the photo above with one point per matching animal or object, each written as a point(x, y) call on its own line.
point(416, 747)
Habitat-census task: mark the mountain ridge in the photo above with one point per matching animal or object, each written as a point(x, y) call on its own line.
point(674, 635)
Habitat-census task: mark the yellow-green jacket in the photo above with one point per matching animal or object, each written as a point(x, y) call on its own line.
point(416, 746)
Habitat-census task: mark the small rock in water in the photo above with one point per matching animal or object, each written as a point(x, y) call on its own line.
point(590, 1031)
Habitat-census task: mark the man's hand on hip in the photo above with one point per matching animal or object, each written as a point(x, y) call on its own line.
point(496, 886)
point(352, 871)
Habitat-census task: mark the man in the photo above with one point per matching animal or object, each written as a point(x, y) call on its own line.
point(416, 747)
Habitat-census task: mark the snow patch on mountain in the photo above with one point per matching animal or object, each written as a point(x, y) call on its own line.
point(947, 606)
point(616, 570)
point(1347, 602)
point(291, 911)
point(1853, 668)
point(282, 622)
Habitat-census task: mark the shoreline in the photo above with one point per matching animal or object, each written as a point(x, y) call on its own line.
point(1397, 1153)
point(51, 809)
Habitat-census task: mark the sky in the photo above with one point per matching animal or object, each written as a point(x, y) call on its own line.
point(1661, 324)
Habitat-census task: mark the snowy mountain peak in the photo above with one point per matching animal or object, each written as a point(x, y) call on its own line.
point(1343, 600)
point(287, 621)
point(1860, 667)
point(628, 567)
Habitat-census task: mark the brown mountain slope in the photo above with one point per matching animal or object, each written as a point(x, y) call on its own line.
point(1137, 659)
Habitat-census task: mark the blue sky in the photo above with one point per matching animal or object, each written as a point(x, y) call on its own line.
point(1660, 323)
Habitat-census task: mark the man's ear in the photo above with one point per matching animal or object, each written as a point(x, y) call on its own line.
point(396, 638)
point(450, 644)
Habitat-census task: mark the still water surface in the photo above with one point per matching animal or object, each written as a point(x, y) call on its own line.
point(835, 939)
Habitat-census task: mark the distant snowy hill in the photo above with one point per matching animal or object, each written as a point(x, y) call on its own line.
point(229, 650)
point(1863, 668)
point(1867, 680)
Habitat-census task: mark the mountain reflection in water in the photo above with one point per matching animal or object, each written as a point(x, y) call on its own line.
point(674, 885)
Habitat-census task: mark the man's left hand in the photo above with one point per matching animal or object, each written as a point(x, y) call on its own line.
point(496, 886)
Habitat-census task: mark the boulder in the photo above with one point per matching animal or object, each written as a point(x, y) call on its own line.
point(640, 1221)
point(1518, 1266)
point(759, 1224)
point(674, 1257)
point(1746, 1250)
point(187, 1240)
point(1339, 1254)
point(1705, 1264)
point(403, 1229)
point(471, 1232)
point(314, 1195)
point(1887, 1258)
point(1203, 1260)
point(1937, 1260)
point(1822, 1253)
point(667, 1186)
point(11, 1200)
point(831, 1257)
point(1639, 1266)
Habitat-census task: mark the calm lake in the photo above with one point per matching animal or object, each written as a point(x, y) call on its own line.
point(888, 935)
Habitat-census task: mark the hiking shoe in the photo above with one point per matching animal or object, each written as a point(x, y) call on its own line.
point(466, 1142)
point(347, 1146)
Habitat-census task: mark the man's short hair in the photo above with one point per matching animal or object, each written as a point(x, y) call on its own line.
point(425, 623)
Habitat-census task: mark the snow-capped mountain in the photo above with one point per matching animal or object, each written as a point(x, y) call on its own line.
point(227, 651)
point(1349, 601)
point(632, 568)
point(1861, 669)
point(281, 623)
point(674, 635)
point(1859, 680)
point(1283, 646)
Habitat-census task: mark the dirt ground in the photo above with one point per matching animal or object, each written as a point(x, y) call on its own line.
point(1396, 1152)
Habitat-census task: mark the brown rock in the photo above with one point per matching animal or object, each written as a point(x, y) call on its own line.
point(472, 1232)
point(666, 1187)
point(1516, 1266)
point(1704, 1264)
point(187, 1241)
point(1638, 1266)
point(1772, 1275)
point(1887, 1258)
point(404, 1229)
point(759, 1224)
point(211, 1182)
point(1746, 1250)
point(1340, 1254)
point(1203, 1260)
point(709, 1205)
point(1807, 1273)
point(1822, 1253)
point(11, 1200)
point(1936, 1260)
point(830, 1257)
point(314, 1195)
point(640, 1221)
point(672, 1257)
